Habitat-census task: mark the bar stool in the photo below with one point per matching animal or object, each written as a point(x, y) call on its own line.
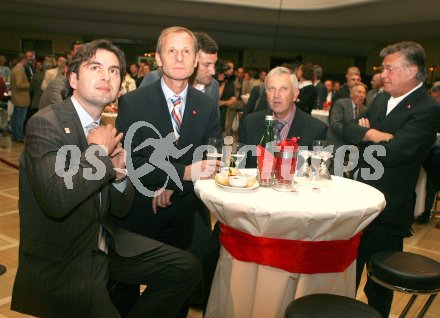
point(408, 273)
point(329, 306)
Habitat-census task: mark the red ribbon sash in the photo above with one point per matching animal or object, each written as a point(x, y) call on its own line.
point(294, 256)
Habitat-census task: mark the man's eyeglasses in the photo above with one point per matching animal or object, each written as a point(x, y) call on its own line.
point(390, 68)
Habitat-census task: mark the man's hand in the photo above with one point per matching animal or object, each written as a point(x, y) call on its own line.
point(200, 170)
point(118, 158)
point(377, 136)
point(364, 122)
point(105, 136)
point(162, 200)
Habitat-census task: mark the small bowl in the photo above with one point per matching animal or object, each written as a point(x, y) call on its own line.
point(238, 181)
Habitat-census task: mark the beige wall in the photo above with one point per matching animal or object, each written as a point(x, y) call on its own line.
point(11, 43)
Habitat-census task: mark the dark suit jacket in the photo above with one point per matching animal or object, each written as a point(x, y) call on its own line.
point(304, 126)
point(257, 100)
point(53, 93)
point(200, 122)
point(307, 98)
point(341, 113)
point(344, 92)
point(322, 95)
point(414, 123)
point(59, 226)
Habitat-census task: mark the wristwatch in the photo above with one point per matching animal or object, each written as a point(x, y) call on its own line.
point(122, 178)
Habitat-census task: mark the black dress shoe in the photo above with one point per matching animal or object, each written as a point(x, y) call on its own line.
point(2, 269)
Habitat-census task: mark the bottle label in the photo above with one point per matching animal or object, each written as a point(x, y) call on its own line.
point(266, 164)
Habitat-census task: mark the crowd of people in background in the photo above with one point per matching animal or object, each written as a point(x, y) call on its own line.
point(235, 100)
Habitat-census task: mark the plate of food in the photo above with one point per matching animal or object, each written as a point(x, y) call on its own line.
point(244, 180)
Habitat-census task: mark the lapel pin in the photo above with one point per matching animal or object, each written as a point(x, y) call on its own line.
point(67, 130)
point(194, 113)
point(408, 106)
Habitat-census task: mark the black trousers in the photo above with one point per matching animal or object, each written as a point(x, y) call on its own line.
point(170, 274)
point(380, 298)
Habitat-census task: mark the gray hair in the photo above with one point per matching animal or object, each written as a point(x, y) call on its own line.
point(435, 89)
point(317, 72)
point(413, 53)
point(280, 70)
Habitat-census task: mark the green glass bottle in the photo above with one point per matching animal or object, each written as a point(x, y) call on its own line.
point(265, 153)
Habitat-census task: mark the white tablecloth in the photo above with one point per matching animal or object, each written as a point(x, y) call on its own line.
point(245, 289)
point(320, 114)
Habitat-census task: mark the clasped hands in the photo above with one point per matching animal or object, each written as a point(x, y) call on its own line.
point(108, 138)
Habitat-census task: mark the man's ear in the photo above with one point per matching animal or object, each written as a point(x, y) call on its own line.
point(158, 59)
point(414, 70)
point(197, 59)
point(73, 79)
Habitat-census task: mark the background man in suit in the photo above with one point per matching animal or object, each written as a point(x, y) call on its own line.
point(50, 75)
point(404, 122)
point(56, 90)
point(353, 76)
point(343, 112)
point(68, 251)
point(308, 93)
point(376, 88)
point(282, 91)
point(20, 90)
point(329, 92)
point(29, 67)
point(317, 82)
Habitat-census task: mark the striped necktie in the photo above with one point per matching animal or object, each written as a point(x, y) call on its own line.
point(278, 127)
point(102, 237)
point(176, 116)
point(93, 125)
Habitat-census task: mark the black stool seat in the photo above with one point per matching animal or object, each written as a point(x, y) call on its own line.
point(405, 271)
point(329, 306)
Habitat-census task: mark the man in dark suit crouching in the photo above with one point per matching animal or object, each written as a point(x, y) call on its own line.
point(72, 177)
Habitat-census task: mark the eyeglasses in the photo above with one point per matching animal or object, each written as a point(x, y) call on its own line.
point(390, 68)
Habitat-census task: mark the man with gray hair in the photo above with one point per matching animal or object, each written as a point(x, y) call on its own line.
point(317, 82)
point(353, 77)
point(402, 124)
point(282, 92)
point(435, 93)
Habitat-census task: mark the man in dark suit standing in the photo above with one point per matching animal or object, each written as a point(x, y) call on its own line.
point(168, 214)
point(282, 91)
point(72, 176)
point(343, 112)
point(402, 124)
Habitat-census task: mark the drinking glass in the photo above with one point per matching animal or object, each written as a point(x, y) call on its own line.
point(303, 174)
point(238, 154)
point(215, 149)
point(318, 145)
point(324, 173)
